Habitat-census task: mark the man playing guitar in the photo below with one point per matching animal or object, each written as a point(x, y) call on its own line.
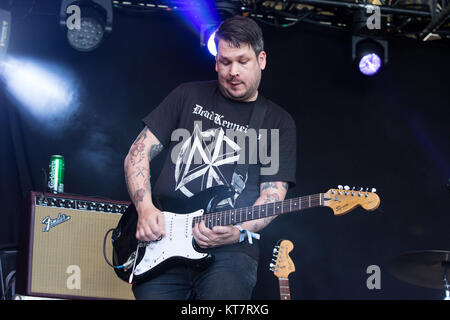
point(207, 110)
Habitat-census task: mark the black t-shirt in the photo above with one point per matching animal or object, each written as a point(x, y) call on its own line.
point(199, 125)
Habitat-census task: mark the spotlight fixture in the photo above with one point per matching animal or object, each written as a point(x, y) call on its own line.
point(95, 21)
point(5, 31)
point(369, 53)
point(208, 30)
point(369, 49)
point(207, 34)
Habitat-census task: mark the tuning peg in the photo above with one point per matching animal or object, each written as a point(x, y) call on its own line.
point(374, 190)
point(271, 265)
point(340, 187)
point(275, 250)
point(346, 188)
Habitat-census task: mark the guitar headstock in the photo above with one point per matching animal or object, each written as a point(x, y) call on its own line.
point(343, 200)
point(283, 264)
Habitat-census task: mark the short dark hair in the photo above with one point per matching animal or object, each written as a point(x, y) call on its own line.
point(239, 30)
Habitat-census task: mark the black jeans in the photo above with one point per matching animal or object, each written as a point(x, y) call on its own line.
point(232, 276)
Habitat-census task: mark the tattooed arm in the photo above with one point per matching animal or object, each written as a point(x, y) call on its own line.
point(150, 224)
point(269, 192)
point(222, 235)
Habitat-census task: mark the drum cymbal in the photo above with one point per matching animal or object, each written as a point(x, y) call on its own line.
point(422, 268)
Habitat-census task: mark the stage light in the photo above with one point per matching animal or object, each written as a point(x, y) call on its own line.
point(369, 54)
point(223, 10)
point(369, 64)
point(5, 31)
point(207, 34)
point(212, 44)
point(43, 90)
point(95, 20)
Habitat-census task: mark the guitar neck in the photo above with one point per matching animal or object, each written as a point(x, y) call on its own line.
point(234, 216)
point(285, 293)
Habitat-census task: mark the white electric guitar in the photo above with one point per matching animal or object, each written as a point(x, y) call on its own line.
point(136, 261)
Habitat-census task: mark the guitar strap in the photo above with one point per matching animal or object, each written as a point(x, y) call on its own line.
point(240, 173)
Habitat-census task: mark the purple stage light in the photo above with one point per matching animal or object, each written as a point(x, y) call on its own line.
point(370, 64)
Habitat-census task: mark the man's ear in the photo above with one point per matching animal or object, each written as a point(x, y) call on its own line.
point(262, 60)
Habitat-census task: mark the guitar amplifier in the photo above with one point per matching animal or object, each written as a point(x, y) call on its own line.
point(61, 250)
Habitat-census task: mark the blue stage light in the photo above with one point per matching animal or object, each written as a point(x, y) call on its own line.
point(43, 90)
point(369, 54)
point(370, 64)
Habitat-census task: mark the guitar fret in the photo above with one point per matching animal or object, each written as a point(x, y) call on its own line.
point(284, 289)
point(233, 216)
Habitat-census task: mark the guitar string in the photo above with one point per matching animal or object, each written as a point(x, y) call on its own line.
point(270, 207)
point(304, 201)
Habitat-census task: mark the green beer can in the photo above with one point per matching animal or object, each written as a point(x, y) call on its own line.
point(56, 174)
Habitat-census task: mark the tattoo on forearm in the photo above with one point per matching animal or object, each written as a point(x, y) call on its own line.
point(267, 185)
point(264, 222)
point(271, 197)
point(268, 220)
point(140, 172)
point(139, 196)
point(137, 153)
point(141, 137)
point(147, 184)
point(155, 150)
point(138, 188)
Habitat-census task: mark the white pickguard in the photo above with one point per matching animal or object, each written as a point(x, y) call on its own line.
point(176, 243)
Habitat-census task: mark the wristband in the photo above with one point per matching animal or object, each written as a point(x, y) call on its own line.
point(245, 232)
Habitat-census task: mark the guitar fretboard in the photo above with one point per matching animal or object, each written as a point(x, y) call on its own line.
point(233, 216)
point(285, 293)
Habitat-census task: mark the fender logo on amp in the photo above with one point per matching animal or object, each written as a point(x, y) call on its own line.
point(50, 223)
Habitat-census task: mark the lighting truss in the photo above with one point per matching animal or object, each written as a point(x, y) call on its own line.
point(417, 19)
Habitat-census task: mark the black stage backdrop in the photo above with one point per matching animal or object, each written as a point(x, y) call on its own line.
point(390, 132)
